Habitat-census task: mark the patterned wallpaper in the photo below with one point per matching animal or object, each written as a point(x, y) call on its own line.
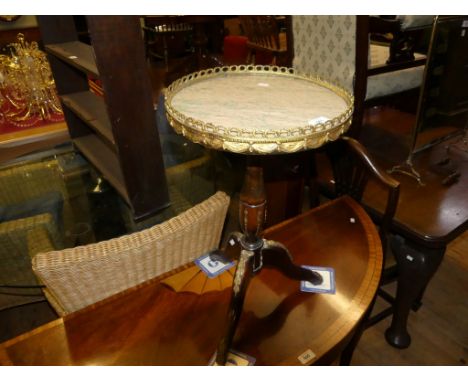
point(326, 46)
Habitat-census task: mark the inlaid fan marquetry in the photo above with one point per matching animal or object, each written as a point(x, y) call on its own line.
point(194, 280)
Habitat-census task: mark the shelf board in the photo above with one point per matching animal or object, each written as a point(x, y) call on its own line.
point(75, 53)
point(104, 159)
point(91, 108)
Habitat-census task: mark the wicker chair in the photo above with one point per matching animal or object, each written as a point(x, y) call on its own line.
point(77, 277)
point(30, 232)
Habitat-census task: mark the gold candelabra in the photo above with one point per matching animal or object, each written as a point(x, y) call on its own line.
point(27, 88)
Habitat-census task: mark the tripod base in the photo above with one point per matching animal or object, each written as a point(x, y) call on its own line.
point(250, 262)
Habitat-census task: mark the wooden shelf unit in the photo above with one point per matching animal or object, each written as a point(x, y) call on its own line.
point(77, 54)
point(91, 108)
point(117, 133)
point(104, 159)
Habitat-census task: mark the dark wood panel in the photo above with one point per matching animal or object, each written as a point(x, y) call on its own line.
point(68, 79)
point(77, 54)
point(91, 108)
point(125, 120)
point(129, 103)
point(104, 159)
point(57, 29)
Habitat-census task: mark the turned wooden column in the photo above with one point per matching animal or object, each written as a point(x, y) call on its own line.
point(252, 207)
point(253, 252)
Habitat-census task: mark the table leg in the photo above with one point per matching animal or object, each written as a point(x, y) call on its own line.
point(255, 252)
point(239, 287)
point(348, 351)
point(275, 255)
point(416, 266)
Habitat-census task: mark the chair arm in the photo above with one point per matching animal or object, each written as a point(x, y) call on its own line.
point(391, 184)
point(38, 240)
point(381, 175)
point(20, 241)
point(17, 231)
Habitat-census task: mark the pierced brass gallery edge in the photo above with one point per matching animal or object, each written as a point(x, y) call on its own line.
point(251, 141)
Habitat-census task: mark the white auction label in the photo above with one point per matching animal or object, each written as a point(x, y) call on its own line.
point(306, 357)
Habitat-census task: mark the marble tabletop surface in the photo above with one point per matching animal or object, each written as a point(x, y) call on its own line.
point(258, 102)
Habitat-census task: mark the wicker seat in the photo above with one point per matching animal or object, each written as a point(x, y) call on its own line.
point(29, 223)
point(77, 277)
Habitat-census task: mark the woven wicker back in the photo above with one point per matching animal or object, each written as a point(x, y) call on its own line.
point(81, 276)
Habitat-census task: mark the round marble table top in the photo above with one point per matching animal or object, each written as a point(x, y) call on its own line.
point(257, 109)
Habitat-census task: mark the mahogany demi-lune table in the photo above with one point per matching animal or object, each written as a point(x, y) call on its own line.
point(151, 324)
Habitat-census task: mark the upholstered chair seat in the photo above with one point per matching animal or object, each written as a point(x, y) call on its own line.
point(326, 46)
point(33, 208)
point(388, 83)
